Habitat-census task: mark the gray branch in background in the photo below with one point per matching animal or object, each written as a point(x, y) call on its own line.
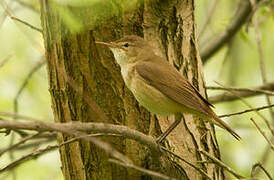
point(240, 17)
point(241, 92)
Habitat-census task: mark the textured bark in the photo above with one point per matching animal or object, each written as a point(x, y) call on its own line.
point(170, 27)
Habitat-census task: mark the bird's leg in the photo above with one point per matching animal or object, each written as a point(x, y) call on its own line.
point(178, 119)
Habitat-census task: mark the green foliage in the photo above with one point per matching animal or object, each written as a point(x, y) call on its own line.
point(88, 14)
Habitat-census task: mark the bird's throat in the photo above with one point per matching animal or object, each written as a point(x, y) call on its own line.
point(119, 56)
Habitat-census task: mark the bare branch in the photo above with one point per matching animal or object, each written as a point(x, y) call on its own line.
point(93, 128)
point(15, 101)
point(35, 154)
point(221, 164)
point(263, 133)
point(71, 129)
point(76, 129)
point(242, 92)
point(83, 127)
point(38, 153)
point(27, 24)
point(35, 144)
point(32, 155)
point(255, 6)
point(22, 87)
point(19, 143)
point(37, 66)
point(229, 97)
point(9, 13)
point(39, 140)
point(246, 103)
point(240, 17)
point(143, 170)
point(246, 111)
point(261, 167)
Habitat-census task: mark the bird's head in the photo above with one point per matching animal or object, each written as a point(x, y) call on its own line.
point(127, 49)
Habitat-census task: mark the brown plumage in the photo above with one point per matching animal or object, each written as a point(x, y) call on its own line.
point(179, 89)
point(157, 85)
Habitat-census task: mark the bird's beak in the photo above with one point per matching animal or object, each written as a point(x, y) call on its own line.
point(110, 44)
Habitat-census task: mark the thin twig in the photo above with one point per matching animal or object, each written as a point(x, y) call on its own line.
point(247, 104)
point(22, 87)
point(92, 127)
point(261, 167)
point(269, 87)
point(9, 13)
point(15, 101)
point(83, 127)
point(40, 152)
point(221, 164)
point(246, 111)
point(13, 146)
point(143, 170)
point(32, 155)
point(35, 154)
point(5, 60)
point(255, 6)
point(257, 91)
point(27, 24)
point(71, 129)
point(33, 70)
point(42, 138)
point(190, 164)
point(261, 55)
point(265, 156)
point(263, 133)
point(35, 144)
point(77, 129)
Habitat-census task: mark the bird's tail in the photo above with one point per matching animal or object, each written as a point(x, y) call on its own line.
point(224, 125)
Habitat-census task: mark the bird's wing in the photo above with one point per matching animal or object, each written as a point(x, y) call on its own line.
point(170, 82)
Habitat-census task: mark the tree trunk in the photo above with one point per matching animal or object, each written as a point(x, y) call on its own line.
point(69, 34)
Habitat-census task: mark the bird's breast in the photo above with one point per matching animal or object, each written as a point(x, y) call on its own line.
point(127, 74)
point(147, 95)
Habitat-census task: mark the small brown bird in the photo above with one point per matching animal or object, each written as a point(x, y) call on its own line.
point(157, 85)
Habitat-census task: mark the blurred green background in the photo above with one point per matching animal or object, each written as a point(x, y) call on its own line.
point(234, 65)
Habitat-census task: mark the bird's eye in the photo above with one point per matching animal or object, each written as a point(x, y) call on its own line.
point(126, 45)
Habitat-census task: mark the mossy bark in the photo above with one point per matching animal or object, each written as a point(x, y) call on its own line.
point(71, 53)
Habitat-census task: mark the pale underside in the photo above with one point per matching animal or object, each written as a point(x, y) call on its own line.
point(162, 90)
point(150, 97)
